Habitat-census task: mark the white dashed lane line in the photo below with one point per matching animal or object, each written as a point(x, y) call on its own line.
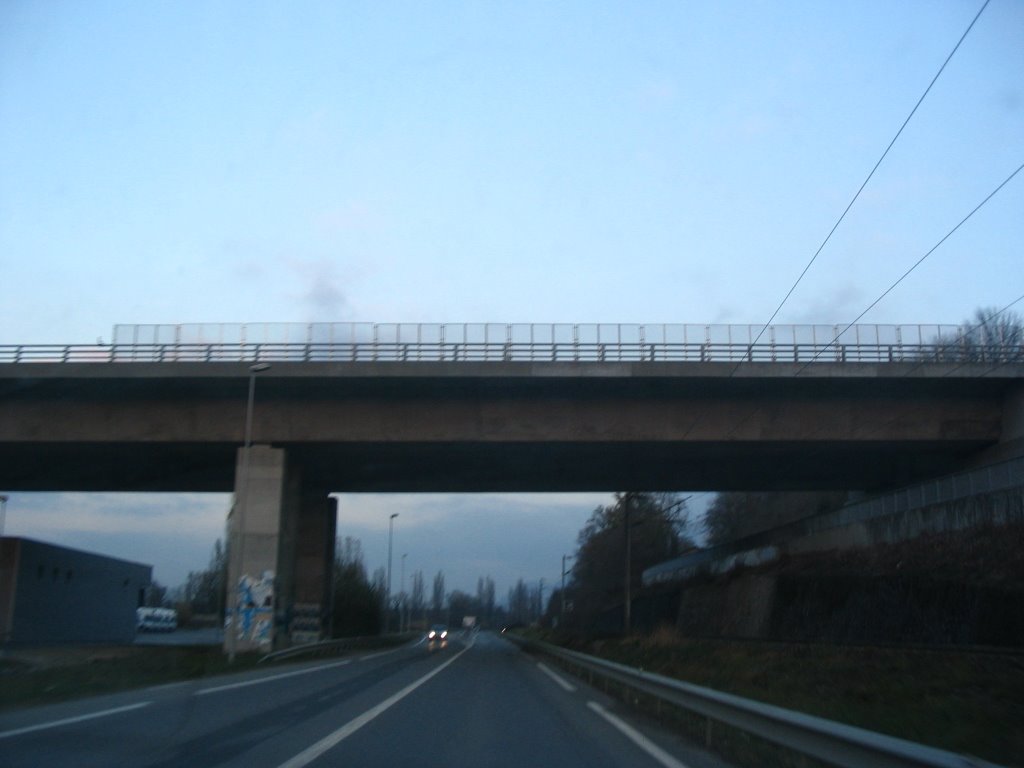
point(333, 739)
point(624, 728)
point(72, 720)
point(565, 684)
point(261, 680)
point(637, 738)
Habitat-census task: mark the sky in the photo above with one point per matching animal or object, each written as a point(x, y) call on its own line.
point(649, 162)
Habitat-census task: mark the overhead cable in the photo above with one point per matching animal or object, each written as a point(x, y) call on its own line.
point(866, 180)
point(916, 264)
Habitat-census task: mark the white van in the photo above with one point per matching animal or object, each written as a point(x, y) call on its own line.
point(156, 619)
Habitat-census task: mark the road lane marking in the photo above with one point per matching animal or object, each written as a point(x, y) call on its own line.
point(637, 738)
point(566, 685)
point(333, 739)
point(168, 686)
point(70, 720)
point(380, 653)
point(258, 681)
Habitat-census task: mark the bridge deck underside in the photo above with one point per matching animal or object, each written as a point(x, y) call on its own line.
point(497, 427)
point(482, 467)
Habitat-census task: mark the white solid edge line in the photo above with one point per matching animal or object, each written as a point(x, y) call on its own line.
point(311, 753)
point(70, 720)
point(168, 686)
point(566, 685)
point(258, 681)
point(637, 738)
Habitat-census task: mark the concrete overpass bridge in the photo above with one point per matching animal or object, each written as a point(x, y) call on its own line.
point(565, 409)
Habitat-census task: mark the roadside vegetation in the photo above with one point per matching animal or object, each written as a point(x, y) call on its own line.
point(46, 676)
point(49, 675)
point(901, 601)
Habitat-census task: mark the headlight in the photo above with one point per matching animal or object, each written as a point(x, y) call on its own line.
point(431, 635)
point(444, 634)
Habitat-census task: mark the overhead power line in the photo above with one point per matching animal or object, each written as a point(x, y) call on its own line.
point(916, 264)
point(866, 180)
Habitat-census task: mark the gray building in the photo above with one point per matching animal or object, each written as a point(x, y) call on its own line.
point(51, 595)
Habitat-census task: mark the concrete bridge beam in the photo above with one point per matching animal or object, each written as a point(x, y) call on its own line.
point(1011, 436)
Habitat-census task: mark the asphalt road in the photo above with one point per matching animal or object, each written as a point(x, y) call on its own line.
point(476, 701)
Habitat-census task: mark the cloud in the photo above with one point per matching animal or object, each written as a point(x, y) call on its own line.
point(150, 513)
point(504, 536)
point(373, 510)
point(840, 305)
point(322, 294)
point(172, 532)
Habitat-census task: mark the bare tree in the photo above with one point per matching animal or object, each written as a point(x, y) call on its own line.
point(205, 591)
point(520, 603)
point(356, 606)
point(994, 336)
point(737, 514)
point(380, 586)
point(990, 336)
point(437, 602)
point(487, 604)
point(656, 523)
point(418, 597)
point(156, 595)
point(349, 551)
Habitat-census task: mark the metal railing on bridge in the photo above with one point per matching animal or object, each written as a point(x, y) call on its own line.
point(485, 342)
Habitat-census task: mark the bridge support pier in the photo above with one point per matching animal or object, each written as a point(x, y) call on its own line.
point(307, 570)
point(280, 552)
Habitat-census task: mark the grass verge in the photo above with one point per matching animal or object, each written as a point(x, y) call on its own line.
point(45, 676)
point(52, 675)
point(970, 703)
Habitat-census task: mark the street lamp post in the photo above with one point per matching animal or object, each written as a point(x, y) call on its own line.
point(3, 517)
point(627, 607)
point(240, 505)
point(564, 558)
point(401, 599)
point(387, 604)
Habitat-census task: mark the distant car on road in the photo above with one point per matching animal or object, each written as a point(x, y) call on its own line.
point(437, 634)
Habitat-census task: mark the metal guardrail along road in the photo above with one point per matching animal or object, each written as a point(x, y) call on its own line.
point(485, 342)
point(829, 741)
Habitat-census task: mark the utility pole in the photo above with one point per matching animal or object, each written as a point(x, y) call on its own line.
point(387, 603)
